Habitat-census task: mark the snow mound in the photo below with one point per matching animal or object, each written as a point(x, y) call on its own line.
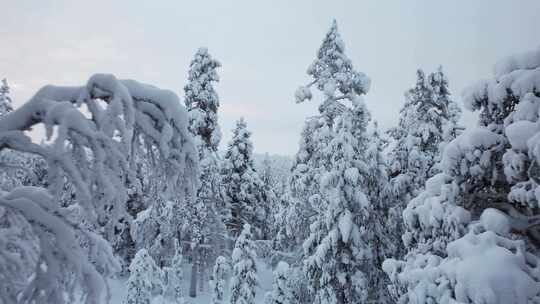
point(520, 132)
point(516, 75)
point(496, 221)
point(483, 271)
point(528, 60)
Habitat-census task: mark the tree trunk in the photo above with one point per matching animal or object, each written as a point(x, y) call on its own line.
point(194, 272)
point(202, 277)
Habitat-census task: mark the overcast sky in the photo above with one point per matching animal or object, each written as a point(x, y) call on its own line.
point(265, 48)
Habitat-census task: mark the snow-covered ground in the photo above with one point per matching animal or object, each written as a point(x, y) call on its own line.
point(119, 290)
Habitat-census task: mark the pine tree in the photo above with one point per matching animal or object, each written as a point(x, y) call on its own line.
point(5, 100)
point(244, 279)
point(336, 251)
point(144, 276)
point(217, 284)
point(281, 293)
point(205, 225)
point(242, 189)
point(202, 100)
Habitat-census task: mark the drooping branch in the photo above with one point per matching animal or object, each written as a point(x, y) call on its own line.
point(93, 154)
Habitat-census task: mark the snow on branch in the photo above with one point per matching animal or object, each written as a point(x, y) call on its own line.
point(93, 150)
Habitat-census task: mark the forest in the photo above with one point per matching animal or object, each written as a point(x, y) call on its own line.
point(129, 198)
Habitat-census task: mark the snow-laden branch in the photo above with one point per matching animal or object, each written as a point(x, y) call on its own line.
point(92, 150)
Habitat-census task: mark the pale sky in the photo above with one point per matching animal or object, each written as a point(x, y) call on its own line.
point(265, 48)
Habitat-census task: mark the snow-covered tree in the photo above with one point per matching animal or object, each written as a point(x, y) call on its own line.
point(451, 226)
point(271, 185)
point(450, 111)
point(175, 276)
point(297, 206)
point(332, 73)
point(17, 167)
point(382, 234)
point(144, 276)
point(5, 99)
point(244, 279)
point(487, 265)
point(274, 170)
point(520, 75)
point(202, 100)
point(508, 103)
point(428, 119)
point(91, 150)
point(217, 284)
point(242, 189)
point(281, 293)
point(205, 229)
point(336, 251)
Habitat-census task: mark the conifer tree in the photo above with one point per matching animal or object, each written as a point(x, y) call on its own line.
point(382, 233)
point(428, 122)
point(336, 251)
point(242, 189)
point(452, 225)
point(5, 99)
point(201, 99)
point(205, 225)
point(337, 248)
point(428, 118)
point(281, 293)
point(217, 284)
point(144, 276)
point(297, 206)
point(244, 279)
point(175, 276)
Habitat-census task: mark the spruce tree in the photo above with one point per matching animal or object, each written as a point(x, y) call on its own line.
point(337, 250)
point(332, 73)
point(428, 118)
point(242, 189)
point(217, 284)
point(144, 276)
point(5, 99)
point(244, 279)
point(382, 233)
point(271, 186)
point(297, 205)
point(428, 122)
